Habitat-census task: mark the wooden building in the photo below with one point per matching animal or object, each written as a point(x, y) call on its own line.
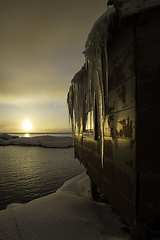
point(114, 105)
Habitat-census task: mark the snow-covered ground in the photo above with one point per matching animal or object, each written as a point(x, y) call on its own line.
point(42, 141)
point(68, 214)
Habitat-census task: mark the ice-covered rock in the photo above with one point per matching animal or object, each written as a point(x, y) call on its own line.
point(5, 136)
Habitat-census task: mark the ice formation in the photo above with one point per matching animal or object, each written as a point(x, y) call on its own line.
point(89, 89)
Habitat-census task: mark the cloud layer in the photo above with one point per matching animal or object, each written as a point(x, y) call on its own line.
point(41, 47)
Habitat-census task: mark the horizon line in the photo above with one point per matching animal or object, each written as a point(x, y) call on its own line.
point(36, 132)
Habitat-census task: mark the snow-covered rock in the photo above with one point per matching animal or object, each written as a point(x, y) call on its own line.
point(66, 214)
point(5, 136)
point(42, 141)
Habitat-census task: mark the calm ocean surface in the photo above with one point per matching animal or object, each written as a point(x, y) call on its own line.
point(41, 134)
point(27, 173)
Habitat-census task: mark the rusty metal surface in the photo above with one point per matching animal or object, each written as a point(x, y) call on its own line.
point(95, 175)
point(125, 127)
point(148, 120)
point(149, 203)
point(119, 177)
point(125, 208)
point(125, 183)
point(149, 184)
point(148, 55)
point(127, 8)
point(108, 171)
point(119, 166)
point(130, 176)
point(148, 85)
point(109, 148)
point(121, 204)
point(149, 177)
point(123, 69)
point(146, 25)
point(148, 210)
point(78, 138)
point(121, 43)
point(90, 144)
point(148, 154)
point(79, 152)
point(121, 152)
point(126, 153)
point(120, 124)
point(124, 96)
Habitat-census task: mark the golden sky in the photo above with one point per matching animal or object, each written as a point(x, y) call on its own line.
point(41, 45)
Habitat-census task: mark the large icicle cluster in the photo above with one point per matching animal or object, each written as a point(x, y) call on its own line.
point(89, 88)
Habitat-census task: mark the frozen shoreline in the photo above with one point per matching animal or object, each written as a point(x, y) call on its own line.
point(39, 141)
point(69, 213)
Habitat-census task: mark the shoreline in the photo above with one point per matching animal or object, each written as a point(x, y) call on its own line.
point(37, 141)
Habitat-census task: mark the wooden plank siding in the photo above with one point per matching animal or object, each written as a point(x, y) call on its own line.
point(119, 177)
point(130, 176)
point(148, 108)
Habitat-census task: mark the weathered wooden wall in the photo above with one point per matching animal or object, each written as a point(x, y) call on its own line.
point(148, 112)
point(120, 123)
point(130, 176)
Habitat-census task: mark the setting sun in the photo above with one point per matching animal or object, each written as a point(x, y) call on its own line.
point(27, 125)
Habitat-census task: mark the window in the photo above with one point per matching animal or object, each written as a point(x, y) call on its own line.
point(90, 122)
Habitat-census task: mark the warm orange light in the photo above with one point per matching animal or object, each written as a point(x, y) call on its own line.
point(26, 135)
point(27, 126)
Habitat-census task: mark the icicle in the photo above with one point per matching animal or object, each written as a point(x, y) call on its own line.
point(101, 104)
point(99, 95)
point(90, 84)
point(107, 12)
point(70, 101)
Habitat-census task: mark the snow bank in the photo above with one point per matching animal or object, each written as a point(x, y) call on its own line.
point(42, 141)
point(66, 214)
point(79, 185)
point(5, 136)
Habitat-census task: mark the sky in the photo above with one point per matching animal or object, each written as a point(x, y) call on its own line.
point(41, 45)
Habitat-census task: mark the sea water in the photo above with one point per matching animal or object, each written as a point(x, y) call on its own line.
point(27, 173)
point(41, 134)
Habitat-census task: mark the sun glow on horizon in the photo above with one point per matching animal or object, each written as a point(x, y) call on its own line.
point(26, 135)
point(27, 126)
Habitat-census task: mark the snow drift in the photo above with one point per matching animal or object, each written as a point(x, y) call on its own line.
point(67, 214)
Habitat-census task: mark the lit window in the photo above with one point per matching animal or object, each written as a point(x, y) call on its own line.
point(90, 121)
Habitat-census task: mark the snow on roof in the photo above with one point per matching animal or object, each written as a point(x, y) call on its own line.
point(99, 29)
point(129, 7)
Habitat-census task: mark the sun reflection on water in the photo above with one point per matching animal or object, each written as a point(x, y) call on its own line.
point(27, 135)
